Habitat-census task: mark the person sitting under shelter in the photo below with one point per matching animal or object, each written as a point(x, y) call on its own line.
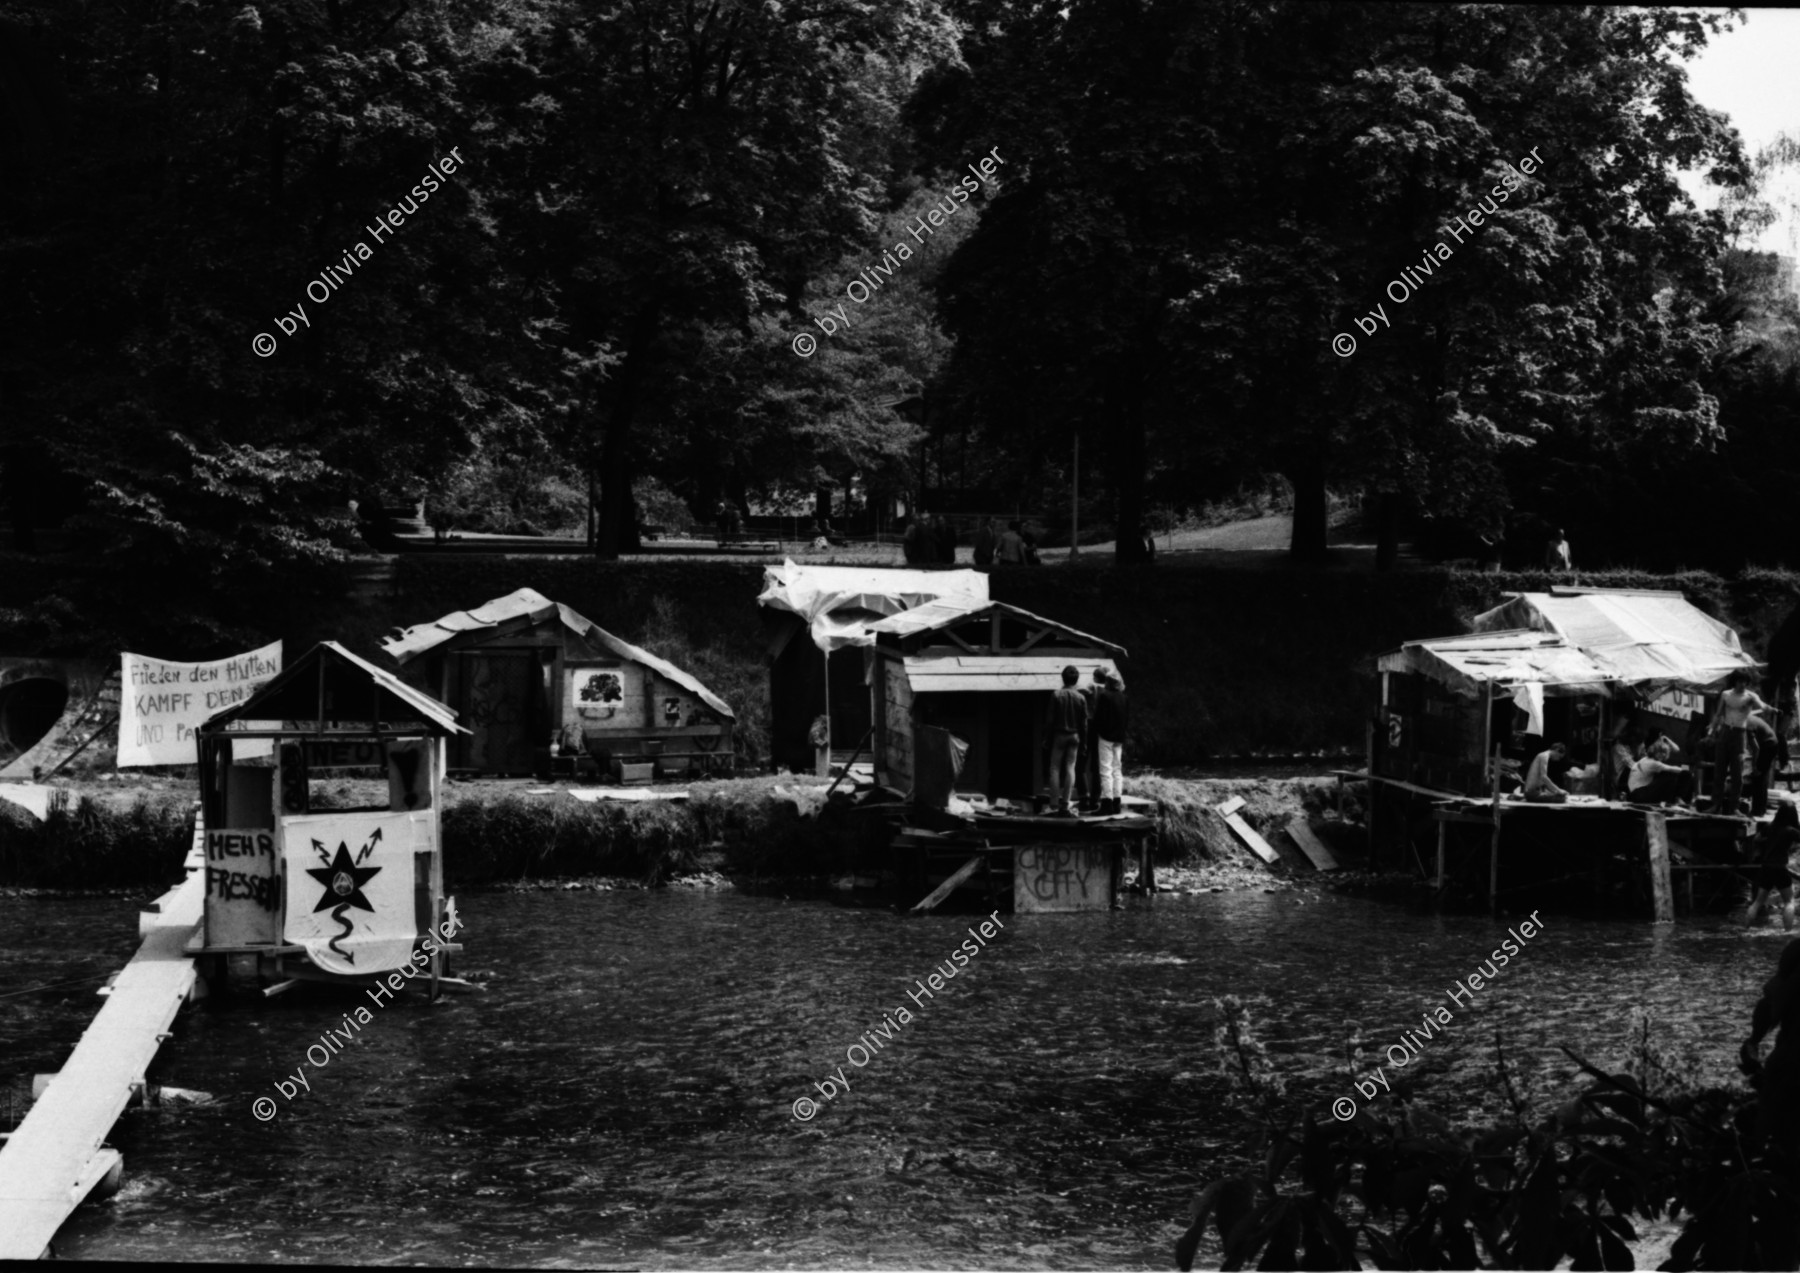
point(1539, 788)
point(1655, 781)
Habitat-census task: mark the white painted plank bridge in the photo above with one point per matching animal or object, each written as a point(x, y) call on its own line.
point(55, 1157)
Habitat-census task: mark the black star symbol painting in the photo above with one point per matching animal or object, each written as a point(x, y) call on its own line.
point(350, 885)
point(343, 881)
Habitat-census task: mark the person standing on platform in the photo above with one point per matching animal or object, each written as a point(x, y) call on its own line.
point(1065, 723)
point(1730, 732)
point(985, 540)
point(1766, 748)
point(1087, 767)
point(1110, 721)
point(1557, 557)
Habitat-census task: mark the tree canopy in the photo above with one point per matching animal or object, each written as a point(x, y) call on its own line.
point(651, 200)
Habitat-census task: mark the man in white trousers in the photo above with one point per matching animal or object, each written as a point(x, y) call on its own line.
point(1109, 727)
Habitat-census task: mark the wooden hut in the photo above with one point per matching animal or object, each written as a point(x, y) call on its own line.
point(313, 892)
point(982, 670)
point(819, 674)
point(524, 671)
point(1572, 665)
point(1565, 666)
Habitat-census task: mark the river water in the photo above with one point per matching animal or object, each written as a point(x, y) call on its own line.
point(623, 1093)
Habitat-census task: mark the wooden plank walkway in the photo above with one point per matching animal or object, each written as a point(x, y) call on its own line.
point(54, 1158)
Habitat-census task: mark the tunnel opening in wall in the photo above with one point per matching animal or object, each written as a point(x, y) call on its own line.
point(30, 706)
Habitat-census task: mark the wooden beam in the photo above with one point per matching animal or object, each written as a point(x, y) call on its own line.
point(1315, 850)
point(1494, 842)
point(1656, 838)
point(944, 890)
point(1246, 832)
point(1443, 827)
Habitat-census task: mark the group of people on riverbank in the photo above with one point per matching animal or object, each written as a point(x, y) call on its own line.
point(1085, 731)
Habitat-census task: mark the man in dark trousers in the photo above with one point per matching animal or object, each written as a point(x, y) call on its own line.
point(945, 535)
point(1065, 723)
point(912, 544)
point(985, 540)
point(1110, 719)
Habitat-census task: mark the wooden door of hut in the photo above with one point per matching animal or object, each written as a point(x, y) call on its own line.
point(500, 701)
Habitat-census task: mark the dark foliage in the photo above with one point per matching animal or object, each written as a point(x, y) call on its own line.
point(1401, 1188)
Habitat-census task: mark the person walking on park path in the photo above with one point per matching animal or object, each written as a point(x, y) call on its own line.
point(985, 540)
point(1556, 557)
point(912, 543)
point(1011, 550)
point(1065, 722)
point(1109, 724)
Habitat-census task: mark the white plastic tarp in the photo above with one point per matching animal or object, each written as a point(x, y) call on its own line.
point(835, 601)
point(1656, 641)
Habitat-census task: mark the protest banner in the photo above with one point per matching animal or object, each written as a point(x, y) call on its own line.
point(161, 704)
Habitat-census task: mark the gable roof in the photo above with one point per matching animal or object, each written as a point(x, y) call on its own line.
point(949, 612)
point(527, 608)
point(1657, 640)
point(330, 679)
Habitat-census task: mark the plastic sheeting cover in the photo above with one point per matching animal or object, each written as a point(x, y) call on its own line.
point(816, 593)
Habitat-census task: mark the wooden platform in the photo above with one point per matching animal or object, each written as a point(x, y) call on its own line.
point(55, 1157)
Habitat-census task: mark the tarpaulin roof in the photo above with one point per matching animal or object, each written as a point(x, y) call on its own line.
point(531, 608)
point(950, 611)
point(1467, 664)
point(1653, 640)
point(817, 593)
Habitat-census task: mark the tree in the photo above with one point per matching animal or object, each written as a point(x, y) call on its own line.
point(706, 159)
point(1211, 192)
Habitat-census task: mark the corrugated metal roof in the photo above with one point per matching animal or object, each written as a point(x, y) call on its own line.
point(965, 673)
point(288, 696)
point(947, 612)
point(414, 641)
point(529, 604)
point(1502, 659)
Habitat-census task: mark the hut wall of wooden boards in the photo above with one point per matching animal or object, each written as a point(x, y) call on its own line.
point(984, 671)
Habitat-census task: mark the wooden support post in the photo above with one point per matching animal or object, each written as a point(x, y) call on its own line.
point(1369, 768)
point(1494, 843)
point(1656, 836)
point(1442, 828)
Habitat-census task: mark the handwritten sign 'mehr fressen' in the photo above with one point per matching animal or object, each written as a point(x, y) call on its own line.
point(161, 704)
